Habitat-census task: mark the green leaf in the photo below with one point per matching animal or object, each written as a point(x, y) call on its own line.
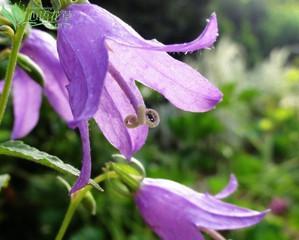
point(7, 14)
point(15, 15)
point(4, 179)
point(45, 16)
point(18, 14)
point(21, 150)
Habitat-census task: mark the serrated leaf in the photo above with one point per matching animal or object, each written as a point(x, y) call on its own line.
point(4, 180)
point(21, 150)
point(48, 24)
point(45, 17)
point(18, 14)
point(7, 14)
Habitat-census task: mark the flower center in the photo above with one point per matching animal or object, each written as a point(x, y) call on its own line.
point(147, 116)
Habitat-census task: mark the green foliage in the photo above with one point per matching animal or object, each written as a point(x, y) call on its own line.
point(20, 150)
point(15, 15)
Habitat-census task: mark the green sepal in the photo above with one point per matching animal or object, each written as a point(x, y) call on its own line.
point(27, 64)
point(31, 68)
point(15, 15)
point(88, 201)
point(118, 187)
point(129, 172)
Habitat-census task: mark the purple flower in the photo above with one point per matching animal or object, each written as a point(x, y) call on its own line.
point(103, 56)
point(177, 212)
point(27, 94)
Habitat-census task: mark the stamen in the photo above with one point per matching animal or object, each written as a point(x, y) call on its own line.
point(213, 234)
point(124, 85)
point(148, 116)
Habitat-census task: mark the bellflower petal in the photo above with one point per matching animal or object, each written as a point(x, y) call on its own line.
point(102, 57)
point(178, 82)
point(117, 30)
point(229, 189)
point(205, 40)
point(170, 208)
point(114, 108)
point(41, 48)
point(27, 97)
point(84, 58)
point(183, 86)
point(85, 173)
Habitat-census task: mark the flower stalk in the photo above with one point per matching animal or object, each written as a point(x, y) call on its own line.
point(76, 199)
point(16, 44)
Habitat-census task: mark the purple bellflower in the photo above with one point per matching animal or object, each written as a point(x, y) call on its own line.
point(102, 57)
point(176, 212)
point(27, 94)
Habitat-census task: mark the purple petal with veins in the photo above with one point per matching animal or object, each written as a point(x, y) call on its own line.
point(115, 105)
point(84, 58)
point(102, 56)
point(182, 85)
point(177, 212)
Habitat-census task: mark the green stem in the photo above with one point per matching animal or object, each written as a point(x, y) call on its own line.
point(68, 216)
point(16, 44)
point(76, 199)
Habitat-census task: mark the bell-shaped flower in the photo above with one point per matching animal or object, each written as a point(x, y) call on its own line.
point(102, 57)
point(40, 47)
point(176, 212)
point(96, 47)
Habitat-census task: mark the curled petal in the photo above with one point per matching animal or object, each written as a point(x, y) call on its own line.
point(183, 86)
point(41, 48)
point(215, 214)
point(85, 173)
point(117, 30)
point(205, 40)
point(229, 189)
point(115, 106)
point(84, 58)
point(167, 205)
point(27, 97)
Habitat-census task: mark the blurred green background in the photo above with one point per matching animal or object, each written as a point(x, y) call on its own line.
point(253, 133)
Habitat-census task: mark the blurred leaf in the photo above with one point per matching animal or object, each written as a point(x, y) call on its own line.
point(18, 14)
point(24, 151)
point(88, 233)
point(89, 203)
point(4, 179)
point(15, 15)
